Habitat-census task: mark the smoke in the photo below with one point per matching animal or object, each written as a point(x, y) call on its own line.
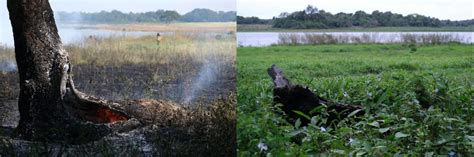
point(205, 78)
point(65, 18)
point(8, 66)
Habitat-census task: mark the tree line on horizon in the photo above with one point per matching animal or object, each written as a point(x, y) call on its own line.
point(159, 16)
point(312, 17)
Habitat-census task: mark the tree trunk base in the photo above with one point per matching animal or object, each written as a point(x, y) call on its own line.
point(87, 119)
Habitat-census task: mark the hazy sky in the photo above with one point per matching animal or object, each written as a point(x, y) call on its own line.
point(182, 6)
point(442, 9)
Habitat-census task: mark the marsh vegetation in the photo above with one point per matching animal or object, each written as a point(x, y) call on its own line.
point(417, 101)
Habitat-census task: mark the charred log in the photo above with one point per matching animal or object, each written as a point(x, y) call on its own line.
point(299, 98)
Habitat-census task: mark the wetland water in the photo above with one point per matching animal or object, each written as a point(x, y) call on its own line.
point(71, 35)
point(259, 39)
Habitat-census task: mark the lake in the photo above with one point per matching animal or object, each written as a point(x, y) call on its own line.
point(259, 39)
point(71, 35)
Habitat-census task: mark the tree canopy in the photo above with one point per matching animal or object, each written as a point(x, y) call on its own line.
point(312, 17)
point(252, 20)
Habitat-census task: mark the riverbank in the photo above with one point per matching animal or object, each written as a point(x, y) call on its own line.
point(268, 28)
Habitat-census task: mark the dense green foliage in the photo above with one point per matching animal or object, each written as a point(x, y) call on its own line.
point(206, 15)
point(392, 82)
point(163, 16)
point(312, 17)
point(252, 20)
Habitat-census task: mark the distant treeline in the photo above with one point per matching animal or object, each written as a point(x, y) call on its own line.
point(312, 17)
point(163, 16)
point(252, 20)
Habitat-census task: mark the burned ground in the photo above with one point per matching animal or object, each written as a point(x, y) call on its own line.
point(141, 75)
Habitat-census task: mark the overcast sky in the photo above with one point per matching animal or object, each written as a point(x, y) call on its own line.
point(182, 6)
point(442, 9)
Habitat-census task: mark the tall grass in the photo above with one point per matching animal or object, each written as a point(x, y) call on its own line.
point(431, 38)
point(6, 53)
point(176, 47)
point(318, 39)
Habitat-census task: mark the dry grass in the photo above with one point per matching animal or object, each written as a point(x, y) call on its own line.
point(174, 47)
point(223, 27)
point(318, 39)
point(6, 54)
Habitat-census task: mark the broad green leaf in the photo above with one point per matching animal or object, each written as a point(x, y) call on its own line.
point(375, 124)
point(314, 120)
point(470, 137)
point(338, 151)
point(401, 135)
point(360, 153)
point(441, 141)
point(298, 123)
point(269, 155)
point(295, 132)
point(382, 98)
point(318, 109)
point(354, 112)
point(429, 154)
point(383, 130)
point(471, 126)
point(302, 114)
point(344, 130)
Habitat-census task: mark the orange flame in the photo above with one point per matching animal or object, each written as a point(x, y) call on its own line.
point(106, 115)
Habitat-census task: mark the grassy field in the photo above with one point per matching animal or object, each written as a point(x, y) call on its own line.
point(391, 81)
point(268, 28)
point(194, 70)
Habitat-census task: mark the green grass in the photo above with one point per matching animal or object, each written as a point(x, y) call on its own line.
point(389, 80)
point(268, 28)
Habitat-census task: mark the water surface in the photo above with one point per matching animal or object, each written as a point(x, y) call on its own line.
point(268, 38)
point(71, 35)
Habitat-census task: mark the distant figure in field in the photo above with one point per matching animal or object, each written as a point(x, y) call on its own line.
point(93, 40)
point(158, 38)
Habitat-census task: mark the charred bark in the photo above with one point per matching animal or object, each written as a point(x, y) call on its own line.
point(51, 109)
point(300, 98)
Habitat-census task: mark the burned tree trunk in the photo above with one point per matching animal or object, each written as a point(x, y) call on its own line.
point(51, 109)
point(299, 98)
